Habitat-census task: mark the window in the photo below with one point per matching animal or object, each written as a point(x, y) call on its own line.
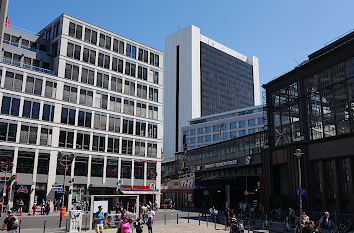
point(28, 134)
point(156, 77)
point(251, 122)
point(50, 89)
point(241, 124)
point(128, 107)
point(216, 128)
point(73, 51)
point(89, 56)
point(25, 162)
point(208, 138)
point(200, 139)
point(140, 148)
point(98, 143)
point(87, 76)
point(192, 140)
point(104, 60)
point(101, 100)
point(143, 55)
point(113, 145)
point(8, 131)
point(68, 116)
point(97, 167)
point(233, 125)
point(100, 121)
point(142, 73)
point(152, 150)
point(33, 86)
point(126, 169)
point(43, 164)
point(102, 80)
point(56, 30)
point(242, 132)
point(139, 170)
point(128, 126)
point(13, 81)
point(154, 59)
point(116, 84)
point(30, 109)
point(54, 50)
point(117, 65)
point(141, 109)
point(127, 147)
point(130, 51)
point(90, 36)
point(86, 97)
point(105, 41)
point(81, 166)
point(84, 119)
point(192, 131)
point(48, 112)
point(140, 129)
point(129, 88)
point(261, 120)
point(115, 104)
point(114, 124)
point(71, 72)
point(70, 94)
point(153, 94)
point(216, 137)
point(233, 134)
point(152, 131)
point(75, 30)
point(252, 130)
point(118, 46)
point(83, 141)
point(207, 129)
point(130, 69)
point(45, 137)
point(200, 130)
point(142, 91)
point(151, 171)
point(10, 106)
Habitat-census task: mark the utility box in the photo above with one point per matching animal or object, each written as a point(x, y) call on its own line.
point(75, 218)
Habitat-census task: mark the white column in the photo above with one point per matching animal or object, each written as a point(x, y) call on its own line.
point(52, 171)
point(104, 168)
point(145, 173)
point(132, 175)
point(119, 167)
point(34, 178)
point(158, 183)
point(89, 171)
point(70, 196)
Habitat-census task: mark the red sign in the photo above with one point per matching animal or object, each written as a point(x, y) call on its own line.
point(136, 187)
point(145, 161)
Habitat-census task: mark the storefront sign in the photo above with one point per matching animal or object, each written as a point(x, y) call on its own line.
point(136, 187)
point(144, 161)
point(112, 171)
point(57, 188)
point(248, 160)
point(22, 189)
point(221, 164)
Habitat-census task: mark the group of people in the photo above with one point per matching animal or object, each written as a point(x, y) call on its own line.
point(326, 223)
point(146, 216)
point(45, 207)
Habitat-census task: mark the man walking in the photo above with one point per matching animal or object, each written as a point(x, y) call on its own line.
point(151, 219)
point(326, 223)
point(11, 222)
point(99, 217)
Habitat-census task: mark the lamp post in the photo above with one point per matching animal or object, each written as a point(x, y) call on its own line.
point(5, 165)
point(299, 154)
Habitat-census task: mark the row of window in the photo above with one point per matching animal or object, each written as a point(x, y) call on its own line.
point(83, 141)
point(68, 116)
point(222, 127)
point(105, 41)
point(26, 160)
point(225, 136)
point(105, 61)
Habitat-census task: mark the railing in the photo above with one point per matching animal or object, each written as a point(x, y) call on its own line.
point(29, 67)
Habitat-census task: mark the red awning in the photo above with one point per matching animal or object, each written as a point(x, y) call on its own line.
point(140, 192)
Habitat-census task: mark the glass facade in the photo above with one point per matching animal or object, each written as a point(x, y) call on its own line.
point(226, 82)
point(325, 101)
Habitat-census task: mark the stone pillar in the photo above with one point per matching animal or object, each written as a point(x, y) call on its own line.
point(52, 171)
point(227, 196)
point(34, 178)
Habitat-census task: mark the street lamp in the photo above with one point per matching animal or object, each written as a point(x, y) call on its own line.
point(5, 165)
point(299, 154)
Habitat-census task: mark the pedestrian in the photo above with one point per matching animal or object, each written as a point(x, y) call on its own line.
point(151, 219)
point(20, 206)
point(42, 208)
point(326, 223)
point(292, 217)
point(139, 225)
point(117, 208)
point(98, 217)
point(11, 222)
point(211, 213)
point(144, 211)
point(228, 217)
point(34, 208)
point(47, 207)
point(124, 225)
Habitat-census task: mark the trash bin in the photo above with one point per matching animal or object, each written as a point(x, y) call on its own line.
point(75, 222)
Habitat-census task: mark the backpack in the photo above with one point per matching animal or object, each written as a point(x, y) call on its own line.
point(13, 223)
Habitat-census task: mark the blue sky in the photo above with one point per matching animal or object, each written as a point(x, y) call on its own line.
point(280, 33)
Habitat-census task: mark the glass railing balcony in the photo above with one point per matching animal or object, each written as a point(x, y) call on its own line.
point(26, 66)
point(11, 43)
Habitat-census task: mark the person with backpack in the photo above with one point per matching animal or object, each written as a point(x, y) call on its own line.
point(326, 223)
point(151, 219)
point(11, 222)
point(98, 217)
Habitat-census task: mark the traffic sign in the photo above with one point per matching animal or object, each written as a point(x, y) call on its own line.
point(57, 188)
point(301, 192)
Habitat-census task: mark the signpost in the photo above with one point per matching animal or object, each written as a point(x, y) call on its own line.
point(301, 191)
point(57, 188)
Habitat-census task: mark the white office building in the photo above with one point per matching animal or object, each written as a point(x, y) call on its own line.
point(203, 77)
point(84, 91)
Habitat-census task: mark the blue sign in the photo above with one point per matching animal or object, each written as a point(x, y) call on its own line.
point(57, 188)
point(301, 192)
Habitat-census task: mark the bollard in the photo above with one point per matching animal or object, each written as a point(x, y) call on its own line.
point(207, 219)
point(66, 224)
point(45, 221)
point(19, 227)
point(199, 219)
point(86, 224)
point(188, 217)
point(225, 223)
point(215, 221)
point(177, 218)
point(164, 219)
